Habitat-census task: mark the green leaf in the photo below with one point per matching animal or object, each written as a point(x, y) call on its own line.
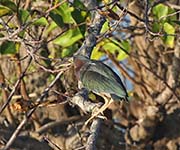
point(24, 16)
point(50, 27)
point(8, 47)
point(1, 26)
point(171, 17)
point(21, 34)
point(11, 5)
point(79, 18)
point(57, 19)
point(160, 10)
point(105, 27)
point(41, 22)
point(78, 4)
point(170, 31)
point(127, 47)
point(96, 53)
point(17, 46)
point(112, 47)
point(68, 51)
point(68, 38)
point(1, 35)
point(65, 11)
point(176, 22)
point(156, 26)
point(4, 11)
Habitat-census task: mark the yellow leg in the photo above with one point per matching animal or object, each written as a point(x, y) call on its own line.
point(106, 105)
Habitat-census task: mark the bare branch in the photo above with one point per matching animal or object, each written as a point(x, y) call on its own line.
point(92, 140)
point(15, 87)
point(28, 115)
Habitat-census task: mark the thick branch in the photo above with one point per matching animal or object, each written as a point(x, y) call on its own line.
point(91, 38)
point(95, 127)
point(81, 100)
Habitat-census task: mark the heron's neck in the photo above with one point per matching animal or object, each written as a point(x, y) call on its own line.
point(78, 65)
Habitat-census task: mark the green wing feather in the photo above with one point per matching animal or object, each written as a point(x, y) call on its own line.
point(106, 71)
point(99, 80)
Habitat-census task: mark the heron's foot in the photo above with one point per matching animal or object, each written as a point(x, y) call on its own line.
point(98, 112)
point(94, 115)
point(101, 110)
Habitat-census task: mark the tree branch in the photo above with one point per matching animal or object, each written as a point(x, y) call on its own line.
point(95, 127)
point(29, 114)
point(93, 31)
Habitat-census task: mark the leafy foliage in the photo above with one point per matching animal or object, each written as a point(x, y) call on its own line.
point(120, 49)
point(68, 22)
point(8, 47)
point(4, 11)
point(165, 22)
point(160, 11)
point(170, 30)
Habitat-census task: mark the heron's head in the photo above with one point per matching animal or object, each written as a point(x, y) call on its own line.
point(79, 61)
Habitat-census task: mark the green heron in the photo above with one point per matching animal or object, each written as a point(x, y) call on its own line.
point(99, 78)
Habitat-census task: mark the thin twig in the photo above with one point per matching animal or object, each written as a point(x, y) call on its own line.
point(53, 124)
point(15, 87)
point(8, 112)
point(28, 115)
point(131, 13)
point(51, 143)
point(55, 6)
point(169, 15)
point(172, 5)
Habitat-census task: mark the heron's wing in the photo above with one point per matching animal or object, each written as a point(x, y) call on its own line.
point(99, 83)
point(106, 71)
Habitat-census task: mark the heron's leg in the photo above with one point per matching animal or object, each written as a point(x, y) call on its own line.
point(106, 105)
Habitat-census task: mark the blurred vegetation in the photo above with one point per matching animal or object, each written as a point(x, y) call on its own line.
point(141, 40)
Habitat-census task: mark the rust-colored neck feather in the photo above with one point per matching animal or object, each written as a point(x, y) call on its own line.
point(78, 64)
